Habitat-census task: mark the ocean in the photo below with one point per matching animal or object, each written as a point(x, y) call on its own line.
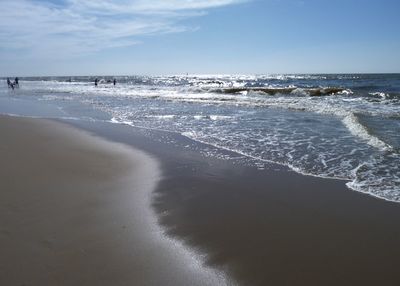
point(344, 126)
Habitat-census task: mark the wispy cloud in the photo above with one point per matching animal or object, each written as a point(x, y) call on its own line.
point(45, 28)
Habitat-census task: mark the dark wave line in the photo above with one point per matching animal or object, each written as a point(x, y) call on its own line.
point(321, 91)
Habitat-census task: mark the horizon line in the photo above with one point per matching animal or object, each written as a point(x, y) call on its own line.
point(203, 74)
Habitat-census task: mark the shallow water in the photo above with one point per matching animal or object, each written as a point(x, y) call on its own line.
point(334, 126)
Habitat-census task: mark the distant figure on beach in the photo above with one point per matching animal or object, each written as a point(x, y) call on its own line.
point(16, 83)
point(115, 81)
point(10, 84)
point(96, 81)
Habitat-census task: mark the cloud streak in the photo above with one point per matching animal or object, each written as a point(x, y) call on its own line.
point(40, 28)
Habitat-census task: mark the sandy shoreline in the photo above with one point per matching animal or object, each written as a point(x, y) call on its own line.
point(75, 210)
point(272, 226)
point(79, 210)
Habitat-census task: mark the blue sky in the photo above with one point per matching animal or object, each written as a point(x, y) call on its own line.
point(98, 37)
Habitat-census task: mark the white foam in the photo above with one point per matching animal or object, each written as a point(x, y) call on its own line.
point(169, 116)
point(380, 94)
point(345, 92)
point(219, 117)
point(357, 129)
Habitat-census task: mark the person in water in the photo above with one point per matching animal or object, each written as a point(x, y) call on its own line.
point(9, 82)
point(115, 81)
point(96, 81)
point(16, 83)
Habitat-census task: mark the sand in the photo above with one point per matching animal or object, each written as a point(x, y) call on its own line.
point(75, 210)
point(271, 226)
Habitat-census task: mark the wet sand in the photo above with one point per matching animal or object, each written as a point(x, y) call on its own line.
point(75, 210)
point(78, 210)
point(272, 226)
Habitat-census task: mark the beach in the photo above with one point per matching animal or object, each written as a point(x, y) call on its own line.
point(113, 189)
point(199, 143)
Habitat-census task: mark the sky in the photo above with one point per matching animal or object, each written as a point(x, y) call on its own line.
point(137, 37)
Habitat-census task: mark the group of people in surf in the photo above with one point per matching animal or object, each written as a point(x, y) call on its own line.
point(96, 81)
point(13, 84)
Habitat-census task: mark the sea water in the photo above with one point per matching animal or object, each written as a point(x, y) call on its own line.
point(333, 126)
